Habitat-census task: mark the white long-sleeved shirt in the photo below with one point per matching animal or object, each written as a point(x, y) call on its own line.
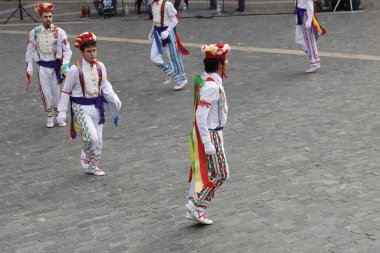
point(212, 109)
point(72, 86)
point(307, 5)
point(63, 50)
point(170, 19)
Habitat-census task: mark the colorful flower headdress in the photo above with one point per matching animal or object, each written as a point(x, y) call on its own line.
point(41, 8)
point(215, 51)
point(84, 37)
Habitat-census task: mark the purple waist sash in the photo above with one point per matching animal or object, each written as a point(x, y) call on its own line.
point(157, 37)
point(98, 102)
point(299, 13)
point(56, 65)
point(216, 129)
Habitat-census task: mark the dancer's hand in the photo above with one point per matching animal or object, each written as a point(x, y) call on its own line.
point(164, 35)
point(29, 69)
point(61, 117)
point(308, 24)
point(64, 69)
point(209, 149)
point(118, 104)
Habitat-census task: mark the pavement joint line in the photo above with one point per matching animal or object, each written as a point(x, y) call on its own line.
point(237, 48)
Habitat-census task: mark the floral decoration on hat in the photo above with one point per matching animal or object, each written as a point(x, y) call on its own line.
point(42, 7)
point(215, 51)
point(84, 37)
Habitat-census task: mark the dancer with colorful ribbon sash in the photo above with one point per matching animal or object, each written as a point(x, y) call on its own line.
point(165, 36)
point(49, 48)
point(87, 88)
point(308, 31)
point(208, 163)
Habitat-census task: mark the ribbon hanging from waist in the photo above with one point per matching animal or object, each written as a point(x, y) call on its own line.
point(181, 48)
point(114, 115)
point(56, 65)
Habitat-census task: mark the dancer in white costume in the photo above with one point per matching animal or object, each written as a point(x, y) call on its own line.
point(307, 32)
point(209, 167)
point(49, 48)
point(87, 87)
point(165, 36)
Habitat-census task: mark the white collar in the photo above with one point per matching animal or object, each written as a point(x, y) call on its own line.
point(51, 28)
point(215, 76)
point(86, 63)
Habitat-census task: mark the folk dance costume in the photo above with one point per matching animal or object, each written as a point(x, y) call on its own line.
point(87, 87)
point(209, 167)
point(164, 36)
point(308, 30)
point(49, 48)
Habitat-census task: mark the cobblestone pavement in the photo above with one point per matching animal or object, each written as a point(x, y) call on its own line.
point(303, 148)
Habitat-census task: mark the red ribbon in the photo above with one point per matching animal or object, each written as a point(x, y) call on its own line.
point(204, 103)
point(181, 48)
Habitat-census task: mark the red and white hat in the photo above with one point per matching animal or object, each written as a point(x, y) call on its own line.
point(41, 8)
point(84, 37)
point(215, 51)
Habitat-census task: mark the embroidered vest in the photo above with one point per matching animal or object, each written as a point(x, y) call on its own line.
point(46, 41)
point(89, 86)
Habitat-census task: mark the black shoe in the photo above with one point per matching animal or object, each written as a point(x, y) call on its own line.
point(240, 9)
point(212, 8)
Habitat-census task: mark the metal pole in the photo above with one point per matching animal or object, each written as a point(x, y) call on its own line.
point(19, 6)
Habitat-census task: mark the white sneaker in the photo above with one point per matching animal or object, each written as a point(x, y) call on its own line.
point(198, 215)
point(50, 122)
point(168, 79)
point(313, 67)
point(83, 159)
point(95, 172)
point(189, 216)
point(180, 85)
point(62, 124)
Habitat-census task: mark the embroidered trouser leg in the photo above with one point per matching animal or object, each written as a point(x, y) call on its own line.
point(218, 173)
point(50, 89)
point(175, 59)
point(156, 58)
point(87, 117)
point(305, 39)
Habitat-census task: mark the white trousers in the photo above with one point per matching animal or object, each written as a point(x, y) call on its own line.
point(88, 118)
point(155, 56)
point(50, 90)
point(306, 42)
